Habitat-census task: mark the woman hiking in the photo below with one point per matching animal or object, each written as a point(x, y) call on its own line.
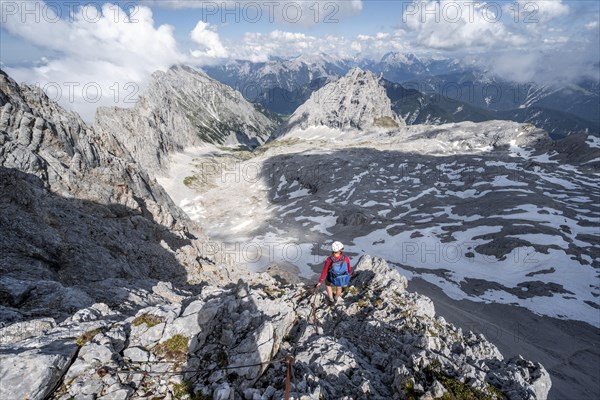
point(337, 270)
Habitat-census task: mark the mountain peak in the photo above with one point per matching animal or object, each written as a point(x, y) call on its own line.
point(184, 107)
point(355, 101)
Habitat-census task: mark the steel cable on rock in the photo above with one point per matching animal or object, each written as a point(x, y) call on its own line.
point(198, 370)
point(288, 359)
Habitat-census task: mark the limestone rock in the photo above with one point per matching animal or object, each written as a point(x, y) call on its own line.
point(355, 101)
point(33, 373)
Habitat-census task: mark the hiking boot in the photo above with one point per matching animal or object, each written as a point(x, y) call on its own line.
point(339, 300)
point(331, 300)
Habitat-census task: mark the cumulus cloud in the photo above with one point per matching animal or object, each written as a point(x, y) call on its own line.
point(590, 26)
point(551, 55)
point(259, 47)
point(540, 12)
point(452, 25)
point(104, 56)
point(209, 40)
point(565, 62)
point(375, 46)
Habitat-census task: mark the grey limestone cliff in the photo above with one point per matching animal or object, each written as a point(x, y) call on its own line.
point(355, 101)
point(181, 108)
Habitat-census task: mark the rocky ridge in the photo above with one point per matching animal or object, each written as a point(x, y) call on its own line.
point(356, 101)
point(232, 342)
point(184, 107)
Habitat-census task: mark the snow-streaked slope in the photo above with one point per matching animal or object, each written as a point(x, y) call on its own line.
point(490, 212)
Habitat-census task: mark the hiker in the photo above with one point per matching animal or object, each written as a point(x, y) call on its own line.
point(337, 270)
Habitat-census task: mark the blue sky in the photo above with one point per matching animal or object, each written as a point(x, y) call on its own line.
point(106, 44)
point(232, 19)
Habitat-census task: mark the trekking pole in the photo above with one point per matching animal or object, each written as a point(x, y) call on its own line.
point(289, 360)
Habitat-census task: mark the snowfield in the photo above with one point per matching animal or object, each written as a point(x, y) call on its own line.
point(472, 208)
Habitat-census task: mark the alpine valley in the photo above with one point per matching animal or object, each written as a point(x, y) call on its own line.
point(170, 250)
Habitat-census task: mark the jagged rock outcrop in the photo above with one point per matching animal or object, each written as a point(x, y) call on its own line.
point(356, 101)
point(81, 222)
point(180, 108)
point(231, 343)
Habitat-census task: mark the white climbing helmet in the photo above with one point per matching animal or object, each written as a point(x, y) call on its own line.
point(337, 246)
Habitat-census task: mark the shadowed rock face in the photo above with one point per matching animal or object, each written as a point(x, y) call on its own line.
point(81, 222)
point(62, 254)
point(381, 342)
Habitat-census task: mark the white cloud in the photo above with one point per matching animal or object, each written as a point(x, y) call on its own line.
point(564, 62)
point(452, 25)
point(209, 40)
point(104, 57)
point(540, 12)
point(556, 40)
point(590, 26)
point(259, 47)
point(374, 47)
point(558, 51)
point(179, 4)
point(537, 17)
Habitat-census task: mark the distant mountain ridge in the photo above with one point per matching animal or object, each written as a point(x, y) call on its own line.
point(454, 90)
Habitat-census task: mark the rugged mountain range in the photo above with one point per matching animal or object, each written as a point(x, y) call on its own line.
point(560, 109)
point(444, 84)
point(492, 212)
point(292, 74)
point(434, 109)
point(81, 221)
point(408, 67)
